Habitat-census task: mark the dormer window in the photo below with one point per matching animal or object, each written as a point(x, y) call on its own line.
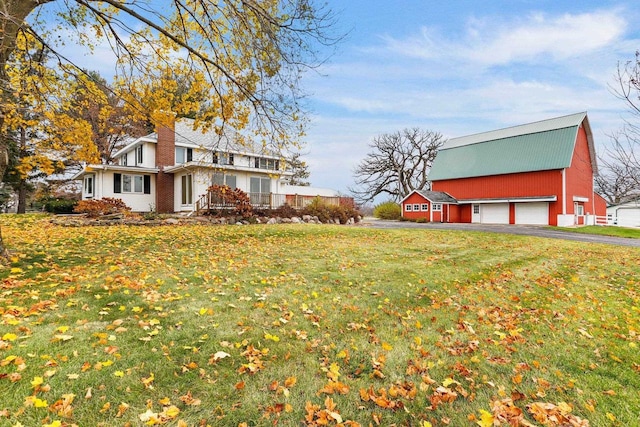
point(139, 155)
point(184, 155)
point(123, 159)
point(263, 163)
point(223, 158)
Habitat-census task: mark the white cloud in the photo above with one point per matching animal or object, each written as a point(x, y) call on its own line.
point(560, 37)
point(488, 42)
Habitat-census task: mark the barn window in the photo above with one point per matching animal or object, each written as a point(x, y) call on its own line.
point(416, 207)
point(437, 207)
point(425, 207)
point(408, 208)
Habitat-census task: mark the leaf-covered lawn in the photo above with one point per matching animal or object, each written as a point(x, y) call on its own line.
point(314, 325)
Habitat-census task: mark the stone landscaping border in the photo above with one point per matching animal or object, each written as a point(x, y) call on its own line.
point(121, 219)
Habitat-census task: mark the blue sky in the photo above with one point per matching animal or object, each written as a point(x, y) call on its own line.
point(462, 67)
point(458, 67)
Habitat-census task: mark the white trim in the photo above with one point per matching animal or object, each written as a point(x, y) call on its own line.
point(409, 195)
point(510, 200)
point(580, 199)
point(564, 191)
point(198, 164)
point(148, 138)
point(118, 168)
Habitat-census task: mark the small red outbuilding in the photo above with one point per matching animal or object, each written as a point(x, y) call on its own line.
point(433, 206)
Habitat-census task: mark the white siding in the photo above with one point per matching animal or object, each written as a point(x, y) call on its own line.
point(137, 202)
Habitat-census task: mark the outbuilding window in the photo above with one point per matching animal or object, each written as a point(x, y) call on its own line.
point(425, 207)
point(437, 207)
point(408, 208)
point(416, 207)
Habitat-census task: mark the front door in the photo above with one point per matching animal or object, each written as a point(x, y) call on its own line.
point(475, 213)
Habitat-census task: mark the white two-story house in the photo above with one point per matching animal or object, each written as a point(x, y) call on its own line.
point(168, 170)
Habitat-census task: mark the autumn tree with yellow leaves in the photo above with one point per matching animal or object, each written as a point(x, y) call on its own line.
point(247, 56)
point(40, 126)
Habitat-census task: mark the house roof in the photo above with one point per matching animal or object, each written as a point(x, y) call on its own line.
point(543, 145)
point(229, 141)
point(433, 196)
point(186, 136)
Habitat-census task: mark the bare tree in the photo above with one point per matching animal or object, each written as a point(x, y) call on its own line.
point(397, 164)
point(619, 175)
point(618, 178)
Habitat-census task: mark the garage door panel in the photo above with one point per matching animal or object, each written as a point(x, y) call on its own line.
point(629, 217)
point(532, 213)
point(495, 213)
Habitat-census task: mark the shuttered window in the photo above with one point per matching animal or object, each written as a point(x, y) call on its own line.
point(124, 183)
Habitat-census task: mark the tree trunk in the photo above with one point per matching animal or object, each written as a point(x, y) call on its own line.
point(22, 197)
point(13, 14)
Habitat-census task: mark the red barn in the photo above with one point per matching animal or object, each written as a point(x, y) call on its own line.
point(537, 173)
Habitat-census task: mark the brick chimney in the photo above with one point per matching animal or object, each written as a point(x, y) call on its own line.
point(165, 156)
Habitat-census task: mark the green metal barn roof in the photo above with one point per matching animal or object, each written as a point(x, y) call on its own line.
point(538, 146)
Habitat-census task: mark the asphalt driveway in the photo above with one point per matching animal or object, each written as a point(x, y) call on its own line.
point(527, 230)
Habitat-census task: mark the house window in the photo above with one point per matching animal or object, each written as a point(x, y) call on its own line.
point(416, 208)
point(408, 208)
point(223, 158)
point(260, 191)
point(187, 189)
point(222, 179)
point(183, 155)
point(137, 184)
point(88, 185)
point(139, 155)
point(425, 207)
point(262, 163)
point(132, 184)
point(217, 179)
point(230, 181)
point(437, 207)
point(123, 159)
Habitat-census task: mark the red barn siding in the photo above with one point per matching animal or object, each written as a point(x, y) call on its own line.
point(542, 183)
point(579, 176)
point(454, 213)
point(600, 205)
point(528, 184)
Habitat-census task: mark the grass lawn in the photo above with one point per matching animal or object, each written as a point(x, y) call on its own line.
point(632, 233)
point(314, 325)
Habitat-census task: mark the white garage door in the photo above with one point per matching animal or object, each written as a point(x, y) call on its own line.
point(494, 213)
point(629, 217)
point(532, 213)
